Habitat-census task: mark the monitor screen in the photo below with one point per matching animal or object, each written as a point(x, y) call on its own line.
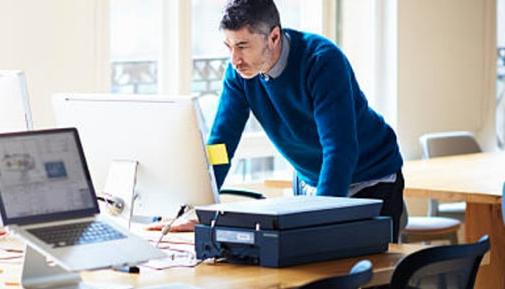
point(162, 134)
point(43, 176)
point(15, 113)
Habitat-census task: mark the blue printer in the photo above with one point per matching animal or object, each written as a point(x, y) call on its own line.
point(279, 232)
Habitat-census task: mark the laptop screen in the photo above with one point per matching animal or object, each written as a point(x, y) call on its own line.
point(44, 177)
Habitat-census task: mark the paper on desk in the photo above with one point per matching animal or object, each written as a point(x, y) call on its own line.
point(177, 262)
point(7, 257)
point(10, 252)
point(179, 254)
point(217, 154)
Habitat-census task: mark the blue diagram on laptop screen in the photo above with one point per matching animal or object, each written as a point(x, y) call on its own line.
point(55, 169)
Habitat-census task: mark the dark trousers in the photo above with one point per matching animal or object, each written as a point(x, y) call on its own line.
point(392, 196)
point(390, 193)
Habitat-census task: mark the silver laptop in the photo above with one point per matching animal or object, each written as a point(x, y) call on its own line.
point(47, 199)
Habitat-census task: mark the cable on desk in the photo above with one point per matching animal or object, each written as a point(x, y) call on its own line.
point(212, 233)
point(227, 255)
point(114, 205)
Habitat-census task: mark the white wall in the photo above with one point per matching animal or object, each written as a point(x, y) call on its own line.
point(445, 61)
point(446, 69)
point(60, 44)
point(368, 37)
point(358, 42)
point(426, 65)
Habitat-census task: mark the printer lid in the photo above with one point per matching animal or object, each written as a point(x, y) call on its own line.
point(289, 212)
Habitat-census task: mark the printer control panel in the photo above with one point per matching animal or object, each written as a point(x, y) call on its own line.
point(240, 237)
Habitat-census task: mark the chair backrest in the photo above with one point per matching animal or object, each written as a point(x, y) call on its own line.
point(359, 275)
point(447, 267)
point(448, 143)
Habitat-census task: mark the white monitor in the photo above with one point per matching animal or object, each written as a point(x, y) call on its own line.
point(162, 134)
point(15, 113)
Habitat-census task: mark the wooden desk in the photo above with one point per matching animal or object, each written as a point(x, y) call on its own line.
point(476, 179)
point(229, 276)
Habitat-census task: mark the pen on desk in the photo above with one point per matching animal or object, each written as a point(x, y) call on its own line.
point(127, 269)
point(166, 228)
point(164, 231)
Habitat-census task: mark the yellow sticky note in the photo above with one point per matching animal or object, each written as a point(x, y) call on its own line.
point(218, 155)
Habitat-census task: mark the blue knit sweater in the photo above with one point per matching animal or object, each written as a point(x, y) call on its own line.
point(315, 114)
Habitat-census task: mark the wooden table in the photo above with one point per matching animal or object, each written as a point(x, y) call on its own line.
point(228, 276)
point(476, 179)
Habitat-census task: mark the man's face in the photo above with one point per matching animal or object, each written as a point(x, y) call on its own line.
point(251, 53)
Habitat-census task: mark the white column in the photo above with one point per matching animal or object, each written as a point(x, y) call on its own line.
point(358, 41)
point(385, 60)
point(329, 17)
point(175, 62)
point(310, 15)
point(486, 131)
point(319, 17)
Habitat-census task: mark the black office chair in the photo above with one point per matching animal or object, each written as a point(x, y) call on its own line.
point(443, 267)
point(359, 275)
point(242, 193)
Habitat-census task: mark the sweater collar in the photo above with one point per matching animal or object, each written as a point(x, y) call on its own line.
point(280, 65)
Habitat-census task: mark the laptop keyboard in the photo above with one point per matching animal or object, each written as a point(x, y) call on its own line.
point(77, 234)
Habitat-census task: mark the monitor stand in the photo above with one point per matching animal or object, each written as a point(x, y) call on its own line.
point(38, 274)
point(120, 184)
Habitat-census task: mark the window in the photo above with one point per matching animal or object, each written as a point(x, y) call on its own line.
point(366, 33)
point(256, 157)
point(135, 30)
point(143, 33)
point(500, 75)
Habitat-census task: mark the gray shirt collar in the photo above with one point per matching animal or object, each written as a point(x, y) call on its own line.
point(279, 66)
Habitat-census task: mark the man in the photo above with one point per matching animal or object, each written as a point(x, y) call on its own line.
point(302, 90)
